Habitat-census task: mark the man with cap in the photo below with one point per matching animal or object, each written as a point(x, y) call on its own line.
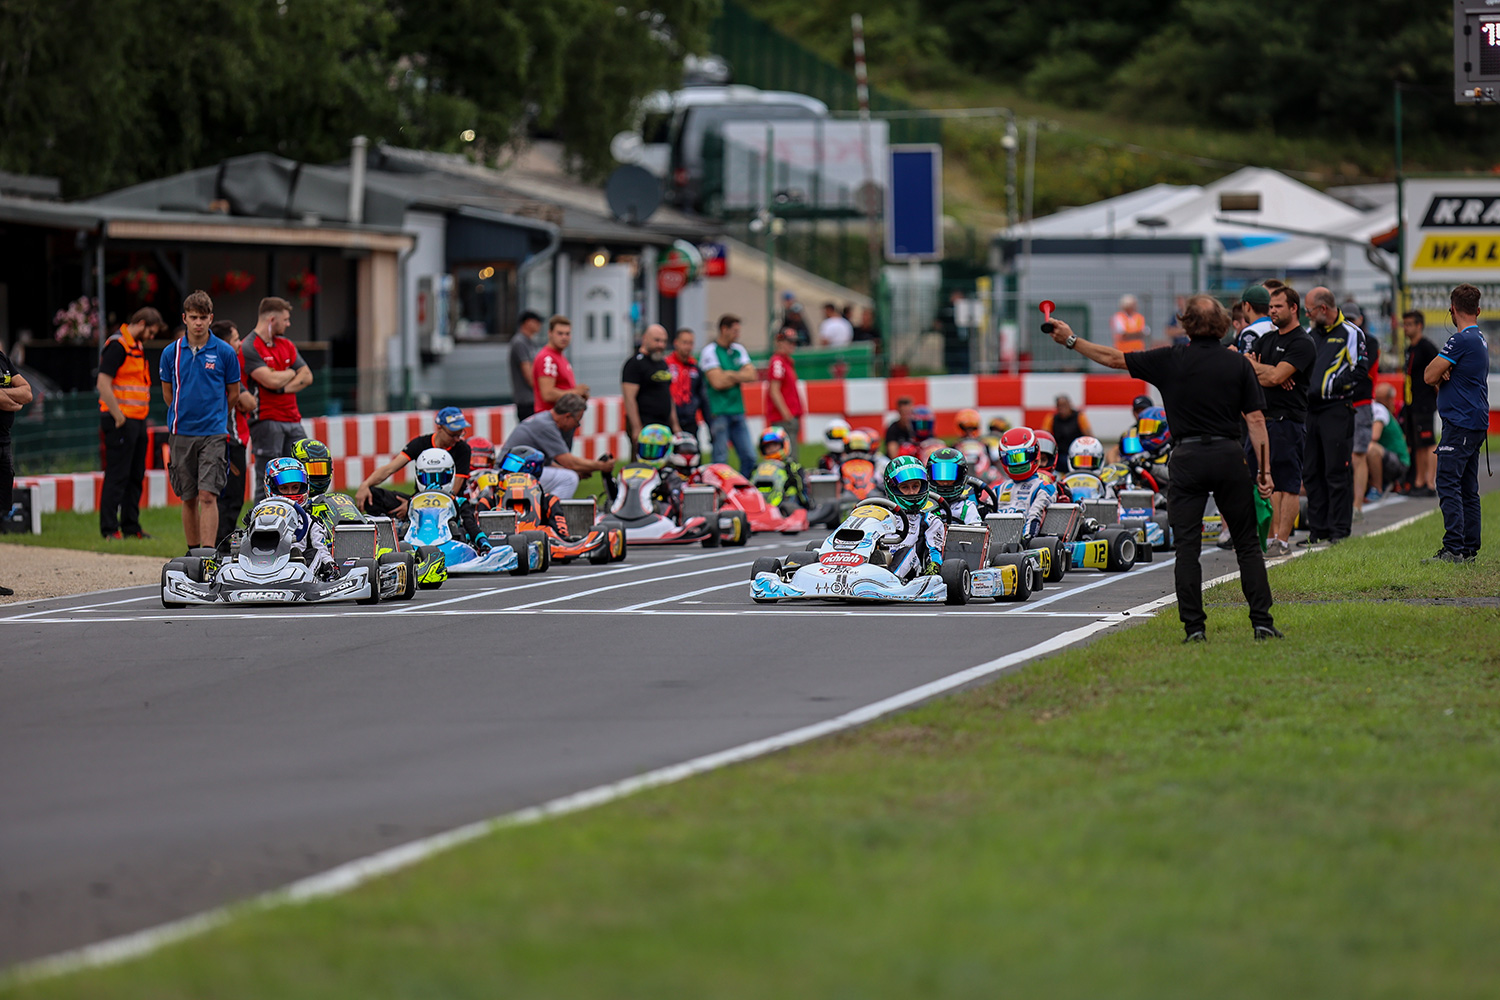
point(1138, 405)
point(448, 434)
point(1255, 303)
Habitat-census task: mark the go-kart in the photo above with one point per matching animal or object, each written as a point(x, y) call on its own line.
point(854, 564)
point(1132, 510)
point(739, 494)
point(334, 509)
point(647, 521)
point(1075, 540)
point(774, 480)
point(431, 513)
point(269, 564)
point(599, 540)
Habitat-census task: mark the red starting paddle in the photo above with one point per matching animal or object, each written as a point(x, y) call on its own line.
point(1046, 306)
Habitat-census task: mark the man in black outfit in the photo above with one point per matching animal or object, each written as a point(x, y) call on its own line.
point(1205, 388)
point(1419, 405)
point(1283, 361)
point(15, 392)
point(646, 384)
point(1327, 470)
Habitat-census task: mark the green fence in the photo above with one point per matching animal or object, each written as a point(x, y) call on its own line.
point(855, 361)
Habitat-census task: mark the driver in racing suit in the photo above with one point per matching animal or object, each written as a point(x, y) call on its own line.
point(436, 471)
point(1029, 492)
point(524, 458)
point(955, 494)
point(286, 479)
point(921, 552)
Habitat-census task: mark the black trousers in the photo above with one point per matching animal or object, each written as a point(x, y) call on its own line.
point(1219, 469)
point(1327, 472)
point(524, 410)
point(124, 474)
point(232, 496)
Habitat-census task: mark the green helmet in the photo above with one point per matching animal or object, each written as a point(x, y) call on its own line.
point(314, 456)
point(654, 445)
point(948, 472)
point(906, 483)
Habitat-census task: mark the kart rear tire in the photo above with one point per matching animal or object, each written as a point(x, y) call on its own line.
point(600, 556)
point(170, 605)
point(546, 543)
point(1059, 567)
point(1166, 530)
point(956, 577)
point(1027, 578)
point(410, 561)
point(1144, 552)
point(374, 568)
point(1122, 550)
point(765, 564)
point(740, 536)
point(429, 552)
point(624, 545)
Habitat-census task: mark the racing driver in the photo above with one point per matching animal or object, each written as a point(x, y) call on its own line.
point(907, 486)
point(1029, 492)
point(955, 492)
point(286, 479)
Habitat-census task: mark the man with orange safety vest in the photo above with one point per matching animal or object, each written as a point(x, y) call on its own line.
point(124, 385)
point(1129, 326)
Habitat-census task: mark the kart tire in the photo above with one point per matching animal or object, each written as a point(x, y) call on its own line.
point(814, 545)
point(1144, 552)
point(374, 568)
point(546, 543)
point(203, 552)
point(192, 566)
point(1059, 567)
point(599, 556)
point(410, 561)
point(1122, 551)
point(1027, 578)
point(521, 542)
point(797, 559)
point(956, 576)
point(740, 537)
point(1166, 531)
point(624, 545)
point(765, 564)
point(429, 552)
point(170, 605)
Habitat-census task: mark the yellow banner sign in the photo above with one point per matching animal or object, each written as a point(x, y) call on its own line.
point(1447, 253)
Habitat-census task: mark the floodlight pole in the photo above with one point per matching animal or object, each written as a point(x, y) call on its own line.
point(1400, 212)
point(862, 91)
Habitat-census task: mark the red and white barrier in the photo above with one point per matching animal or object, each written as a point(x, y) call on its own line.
point(362, 443)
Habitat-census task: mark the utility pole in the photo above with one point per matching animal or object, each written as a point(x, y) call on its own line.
point(1400, 219)
point(1011, 142)
point(862, 91)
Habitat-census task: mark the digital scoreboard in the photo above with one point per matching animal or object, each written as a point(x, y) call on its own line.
point(1476, 51)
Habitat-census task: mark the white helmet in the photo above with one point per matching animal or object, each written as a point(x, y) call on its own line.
point(1086, 454)
point(836, 435)
point(435, 470)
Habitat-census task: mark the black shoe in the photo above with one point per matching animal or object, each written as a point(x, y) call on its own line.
point(1423, 491)
point(1198, 636)
point(7, 592)
point(1226, 543)
point(1446, 556)
point(1310, 542)
point(1267, 632)
point(139, 534)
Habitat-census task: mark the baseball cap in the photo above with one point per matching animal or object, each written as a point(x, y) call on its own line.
point(1257, 295)
point(787, 295)
point(1141, 403)
point(451, 419)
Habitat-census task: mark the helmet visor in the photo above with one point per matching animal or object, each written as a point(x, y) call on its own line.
point(1015, 457)
point(1085, 461)
point(433, 480)
point(1130, 445)
point(1148, 426)
point(910, 481)
point(512, 463)
point(653, 451)
point(944, 472)
point(318, 467)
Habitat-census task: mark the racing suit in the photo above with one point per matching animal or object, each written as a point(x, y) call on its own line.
point(1030, 496)
point(922, 552)
point(965, 509)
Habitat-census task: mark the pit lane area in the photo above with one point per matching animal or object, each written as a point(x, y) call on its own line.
point(163, 762)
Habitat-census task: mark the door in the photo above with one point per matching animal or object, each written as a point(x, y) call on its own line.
point(603, 336)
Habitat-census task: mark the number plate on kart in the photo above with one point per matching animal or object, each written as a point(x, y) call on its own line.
point(427, 500)
point(841, 559)
point(870, 510)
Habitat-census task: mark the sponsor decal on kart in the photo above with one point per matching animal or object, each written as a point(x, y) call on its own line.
point(837, 584)
point(841, 559)
point(427, 500)
point(1093, 554)
point(246, 596)
point(1044, 557)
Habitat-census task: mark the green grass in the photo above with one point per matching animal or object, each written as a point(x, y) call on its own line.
point(70, 530)
point(1315, 817)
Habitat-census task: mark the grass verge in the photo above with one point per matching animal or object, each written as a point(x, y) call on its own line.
point(1314, 817)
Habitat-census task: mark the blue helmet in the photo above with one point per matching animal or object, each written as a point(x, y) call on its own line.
point(1152, 428)
point(524, 458)
point(286, 478)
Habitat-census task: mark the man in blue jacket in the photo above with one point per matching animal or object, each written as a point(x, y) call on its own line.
point(1461, 374)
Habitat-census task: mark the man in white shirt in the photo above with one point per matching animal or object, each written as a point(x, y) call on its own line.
point(835, 330)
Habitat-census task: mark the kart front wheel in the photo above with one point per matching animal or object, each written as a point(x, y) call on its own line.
point(374, 568)
point(1122, 551)
point(170, 605)
point(956, 577)
point(410, 562)
point(1058, 566)
point(521, 542)
point(1027, 578)
point(765, 564)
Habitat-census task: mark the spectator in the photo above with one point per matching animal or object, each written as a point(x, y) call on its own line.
point(783, 400)
point(726, 365)
point(646, 383)
point(1388, 456)
point(1237, 321)
point(1364, 392)
point(552, 374)
point(124, 384)
point(1283, 361)
point(1128, 326)
point(1138, 405)
point(522, 354)
point(1255, 303)
point(1330, 420)
point(792, 316)
point(1461, 373)
point(448, 434)
point(835, 330)
point(200, 381)
point(550, 432)
point(689, 390)
point(15, 392)
point(866, 328)
point(1174, 332)
point(276, 366)
point(1419, 407)
point(1066, 424)
point(232, 496)
point(900, 435)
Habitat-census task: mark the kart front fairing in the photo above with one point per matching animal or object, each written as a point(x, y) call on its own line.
point(431, 513)
point(851, 566)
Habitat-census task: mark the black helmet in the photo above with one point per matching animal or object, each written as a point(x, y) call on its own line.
point(314, 456)
point(948, 472)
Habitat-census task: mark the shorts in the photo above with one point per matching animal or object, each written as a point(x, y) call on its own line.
point(384, 502)
point(200, 464)
point(1287, 438)
point(1421, 427)
point(1364, 428)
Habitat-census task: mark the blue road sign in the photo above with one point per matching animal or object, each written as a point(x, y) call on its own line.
point(914, 203)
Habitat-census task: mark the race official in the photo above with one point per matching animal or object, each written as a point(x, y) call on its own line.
point(1461, 373)
point(1205, 389)
point(1283, 361)
point(447, 434)
point(551, 433)
point(1337, 371)
point(15, 393)
point(124, 384)
point(646, 384)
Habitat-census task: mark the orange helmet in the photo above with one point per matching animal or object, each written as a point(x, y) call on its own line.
point(967, 421)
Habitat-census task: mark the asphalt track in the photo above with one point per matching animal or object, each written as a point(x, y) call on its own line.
point(158, 763)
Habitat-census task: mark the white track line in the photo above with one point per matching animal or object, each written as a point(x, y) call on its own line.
point(691, 593)
point(1106, 581)
point(355, 873)
point(629, 583)
point(82, 607)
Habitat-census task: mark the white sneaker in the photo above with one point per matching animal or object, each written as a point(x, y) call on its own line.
point(1277, 549)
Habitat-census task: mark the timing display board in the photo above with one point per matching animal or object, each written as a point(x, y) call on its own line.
point(1476, 51)
point(914, 203)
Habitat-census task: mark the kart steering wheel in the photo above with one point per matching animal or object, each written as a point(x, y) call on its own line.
point(885, 504)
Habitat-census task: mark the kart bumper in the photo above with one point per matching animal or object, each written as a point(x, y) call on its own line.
point(354, 585)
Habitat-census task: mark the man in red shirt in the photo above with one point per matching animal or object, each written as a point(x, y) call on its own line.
point(783, 403)
point(276, 367)
point(551, 369)
point(232, 497)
